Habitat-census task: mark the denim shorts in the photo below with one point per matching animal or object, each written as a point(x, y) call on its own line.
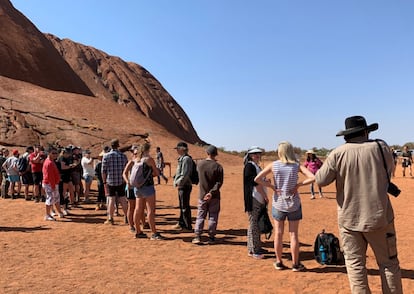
point(88, 179)
point(291, 216)
point(144, 192)
point(14, 178)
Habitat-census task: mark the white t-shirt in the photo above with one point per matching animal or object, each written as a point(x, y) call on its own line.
point(87, 165)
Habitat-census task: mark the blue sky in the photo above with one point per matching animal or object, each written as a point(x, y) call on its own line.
point(259, 72)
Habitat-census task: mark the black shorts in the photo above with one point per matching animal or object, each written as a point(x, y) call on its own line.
point(118, 191)
point(130, 194)
point(27, 178)
point(66, 178)
point(37, 178)
point(76, 177)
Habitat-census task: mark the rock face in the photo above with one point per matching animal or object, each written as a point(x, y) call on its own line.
point(126, 83)
point(117, 98)
point(27, 55)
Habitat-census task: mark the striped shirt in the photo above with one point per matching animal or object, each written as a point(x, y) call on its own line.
point(113, 164)
point(285, 177)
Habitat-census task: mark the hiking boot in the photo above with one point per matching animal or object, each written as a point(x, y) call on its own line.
point(279, 266)
point(196, 240)
point(298, 267)
point(109, 221)
point(141, 235)
point(157, 236)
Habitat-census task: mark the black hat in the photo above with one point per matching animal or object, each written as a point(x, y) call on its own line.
point(181, 145)
point(211, 150)
point(355, 124)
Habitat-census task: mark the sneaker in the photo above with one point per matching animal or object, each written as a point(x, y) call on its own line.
point(257, 256)
point(320, 195)
point(65, 212)
point(61, 215)
point(53, 213)
point(196, 240)
point(157, 236)
point(211, 240)
point(109, 221)
point(298, 267)
point(132, 229)
point(146, 226)
point(313, 196)
point(141, 235)
point(36, 200)
point(279, 266)
point(49, 218)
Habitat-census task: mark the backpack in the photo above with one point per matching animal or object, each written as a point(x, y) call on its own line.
point(327, 249)
point(22, 164)
point(137, 178)
point(194, 173)
point(265, 225)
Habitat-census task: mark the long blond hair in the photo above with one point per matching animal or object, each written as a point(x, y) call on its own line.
point(144, 148)
point(286, 152)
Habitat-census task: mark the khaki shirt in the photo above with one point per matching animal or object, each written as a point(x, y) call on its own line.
point(361, 184)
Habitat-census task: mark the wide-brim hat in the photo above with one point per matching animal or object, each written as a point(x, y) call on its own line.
point(310, 152)
point(254, 149)
point(355, 124)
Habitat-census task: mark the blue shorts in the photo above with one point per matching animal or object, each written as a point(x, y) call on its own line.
point(88, 179)
point(144, 192)
point(14, 178)
point(291, 216)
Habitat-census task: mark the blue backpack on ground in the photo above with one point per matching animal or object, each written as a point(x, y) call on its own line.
point(327, 249)
point(137, 177)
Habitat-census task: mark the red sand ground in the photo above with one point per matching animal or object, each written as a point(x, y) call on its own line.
point(80, 254)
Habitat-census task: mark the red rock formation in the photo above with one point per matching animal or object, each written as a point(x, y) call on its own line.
point(27, 55)
point(128, 84)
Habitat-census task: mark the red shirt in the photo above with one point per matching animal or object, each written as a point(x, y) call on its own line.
point(51, 174)
point(36, 167)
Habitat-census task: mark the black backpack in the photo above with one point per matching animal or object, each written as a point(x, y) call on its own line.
point(265, 225)
point(327, 249)
point(194, 174)
point(22, 164)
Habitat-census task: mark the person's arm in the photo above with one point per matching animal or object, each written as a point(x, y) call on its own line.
point(125, 173)
point(310, 177)
point(150, 162)
point(260, 178)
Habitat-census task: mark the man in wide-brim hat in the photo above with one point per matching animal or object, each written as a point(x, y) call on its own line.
point(365, 214)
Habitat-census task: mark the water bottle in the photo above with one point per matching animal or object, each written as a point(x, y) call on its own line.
point(324, 257)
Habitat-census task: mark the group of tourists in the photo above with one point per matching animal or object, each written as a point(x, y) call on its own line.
point(361, 169)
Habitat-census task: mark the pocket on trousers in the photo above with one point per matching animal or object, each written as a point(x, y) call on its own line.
point(392, 245)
